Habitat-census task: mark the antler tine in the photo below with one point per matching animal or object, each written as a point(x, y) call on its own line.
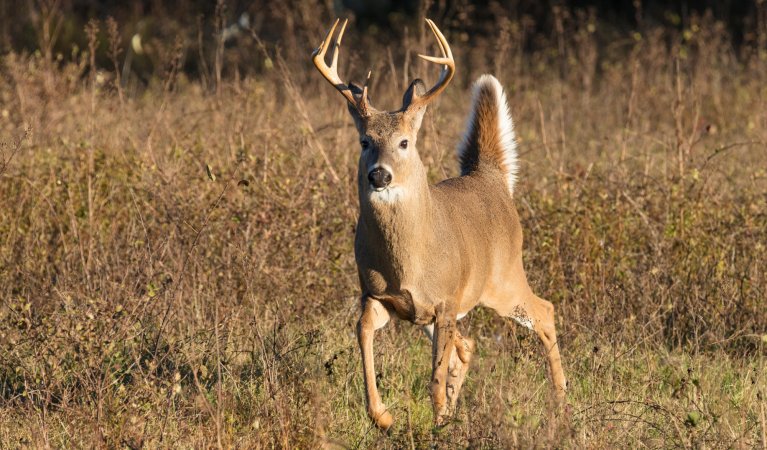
point(440, 38)
point(448, 69)
point(331, 73)
point(363, 103)
point(323, 48)
point(337, 46)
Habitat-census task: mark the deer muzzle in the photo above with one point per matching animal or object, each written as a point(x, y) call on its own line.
point(379, 178)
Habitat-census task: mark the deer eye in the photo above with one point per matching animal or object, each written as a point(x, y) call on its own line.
point(403, 144)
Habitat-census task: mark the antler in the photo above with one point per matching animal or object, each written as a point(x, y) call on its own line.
point(331, 73)
point(361, 102)
point(448, 69)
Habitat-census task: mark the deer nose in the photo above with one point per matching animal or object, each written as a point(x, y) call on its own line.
point(379, 178)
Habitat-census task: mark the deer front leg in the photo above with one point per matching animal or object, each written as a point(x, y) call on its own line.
point(443, 345)
point(374, 316)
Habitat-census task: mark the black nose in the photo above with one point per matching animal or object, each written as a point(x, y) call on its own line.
point(379, 178)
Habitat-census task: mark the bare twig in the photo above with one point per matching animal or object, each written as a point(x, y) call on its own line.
point(14, 150)
point(114, 54)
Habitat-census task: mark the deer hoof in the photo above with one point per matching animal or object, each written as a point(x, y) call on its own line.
point(383, 420)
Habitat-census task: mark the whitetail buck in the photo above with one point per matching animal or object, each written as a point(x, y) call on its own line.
point(429, 254)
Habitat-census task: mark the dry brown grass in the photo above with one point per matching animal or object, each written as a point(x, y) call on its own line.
point(176, 268)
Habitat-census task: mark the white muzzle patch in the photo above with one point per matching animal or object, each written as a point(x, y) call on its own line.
point(389, 194)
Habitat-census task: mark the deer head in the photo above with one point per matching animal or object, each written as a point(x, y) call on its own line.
point(389, 160)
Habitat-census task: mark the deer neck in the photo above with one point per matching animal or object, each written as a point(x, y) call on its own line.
point(398, 226)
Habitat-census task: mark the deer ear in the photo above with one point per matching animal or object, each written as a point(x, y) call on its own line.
point(415, 114)
point(358, 121)
point(416, 89)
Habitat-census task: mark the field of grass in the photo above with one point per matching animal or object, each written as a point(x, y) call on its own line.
point(176, 264)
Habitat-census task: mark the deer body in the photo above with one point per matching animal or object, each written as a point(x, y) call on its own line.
point(429, 254)
point(426, 248)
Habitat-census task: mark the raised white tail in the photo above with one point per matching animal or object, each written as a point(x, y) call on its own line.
point(489, 137)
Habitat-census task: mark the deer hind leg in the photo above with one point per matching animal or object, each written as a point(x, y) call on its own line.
point(542, 314)
point(537, 314)
point(458, 366)
point(443, 346)
point(374, 316)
